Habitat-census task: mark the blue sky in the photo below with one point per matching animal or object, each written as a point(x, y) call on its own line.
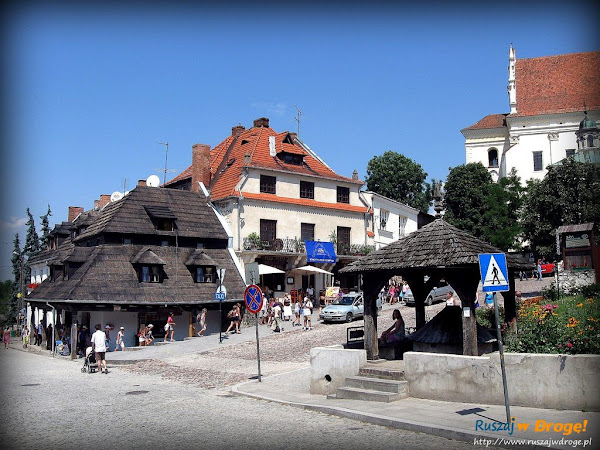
point(89, 91)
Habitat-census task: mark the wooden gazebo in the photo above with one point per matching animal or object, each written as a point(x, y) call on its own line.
point(436, 251)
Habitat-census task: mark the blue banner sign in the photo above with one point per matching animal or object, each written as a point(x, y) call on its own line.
point(320, 252)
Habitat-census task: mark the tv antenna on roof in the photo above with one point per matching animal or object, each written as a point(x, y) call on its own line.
point(165, 170)
point(297, 118)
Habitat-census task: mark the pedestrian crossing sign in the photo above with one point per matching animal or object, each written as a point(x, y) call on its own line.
point(494, 273)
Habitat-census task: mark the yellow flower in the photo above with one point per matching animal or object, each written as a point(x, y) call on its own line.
point(572, 322)
point(579, 305)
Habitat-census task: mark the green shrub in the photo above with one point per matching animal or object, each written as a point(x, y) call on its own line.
point(486, 318)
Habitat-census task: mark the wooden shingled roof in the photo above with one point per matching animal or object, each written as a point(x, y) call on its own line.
point(446, 328)
point(436, 245)
point(193, 218)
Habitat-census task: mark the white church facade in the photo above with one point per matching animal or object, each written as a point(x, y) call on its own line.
point(552, 100)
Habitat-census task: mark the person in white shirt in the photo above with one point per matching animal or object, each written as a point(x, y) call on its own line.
point(99, 347)
point(120, 336)
point(307, 313)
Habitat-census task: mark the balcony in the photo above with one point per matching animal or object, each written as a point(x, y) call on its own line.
point(295, 245)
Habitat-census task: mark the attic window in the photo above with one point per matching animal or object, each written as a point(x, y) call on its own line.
point(205, 274)
point(162, 217)
point(230, 162)
point(291, 158)
point(288, 139)
point(150, 273)
point(245, 141)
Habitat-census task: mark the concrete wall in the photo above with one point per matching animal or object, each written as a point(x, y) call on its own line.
point(534, 380)
point(329, 367)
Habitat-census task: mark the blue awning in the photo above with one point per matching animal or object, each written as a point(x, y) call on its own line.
point(320, 252)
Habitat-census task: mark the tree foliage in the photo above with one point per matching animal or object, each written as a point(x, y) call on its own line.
point(45, 228)
point(569, 194)
point(487, 210)
point(16, 259)
point(400, 178)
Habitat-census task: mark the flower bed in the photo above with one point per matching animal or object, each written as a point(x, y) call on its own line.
point(569, 325)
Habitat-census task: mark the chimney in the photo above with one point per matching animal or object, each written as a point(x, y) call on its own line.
point(200, 166)
point(237, 130)
point(141, 183)
point(96, 205)
point(74, 211)
point(355, 175)
point(262, 122)
point(104, 200)
point(247, 159)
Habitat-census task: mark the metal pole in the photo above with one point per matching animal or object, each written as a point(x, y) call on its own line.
point(502, 366)
point(257, 341)
point(220, 315)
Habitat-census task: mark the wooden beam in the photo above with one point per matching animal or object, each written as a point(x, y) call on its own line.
point(510, 303)
point(465, 282)
point(372, 284)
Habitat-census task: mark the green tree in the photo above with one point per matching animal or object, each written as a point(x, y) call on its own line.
point(501, 219)
point(568, 194)
point(32, 242)
point(11, 312)
point(487, 210)
point(466, 194)
point(45, 228)
point(400, 178)
point(5, 296)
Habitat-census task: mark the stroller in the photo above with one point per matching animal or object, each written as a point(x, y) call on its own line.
point(89, 362)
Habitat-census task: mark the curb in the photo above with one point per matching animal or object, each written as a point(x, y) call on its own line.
point(375, 419)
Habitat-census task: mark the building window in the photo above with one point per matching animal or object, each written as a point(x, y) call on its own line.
point(590, 141)
point(267, 184)
point(402, 225)
point(343, 194)
point(493, 157)
point(150, 274)
point(570, 152)
point(343, 240)
point(127, 241)
point(383, 218)
point(307, 189)
point(165, 224)
point(205, 274)
point(268, 230)
point(537, 161)
point(164, 243)
point(307, 232)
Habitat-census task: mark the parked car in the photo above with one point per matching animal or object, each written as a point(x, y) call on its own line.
point(547, 269)
point(437, 294)
point(347, 308)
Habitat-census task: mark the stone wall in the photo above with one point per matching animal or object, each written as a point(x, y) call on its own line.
point(571, 280)
point(329, 367)
point(534, 380)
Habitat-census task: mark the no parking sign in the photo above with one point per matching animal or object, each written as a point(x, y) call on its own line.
point(254, 298)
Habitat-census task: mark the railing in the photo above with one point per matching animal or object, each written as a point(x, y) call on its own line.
point(295, 245)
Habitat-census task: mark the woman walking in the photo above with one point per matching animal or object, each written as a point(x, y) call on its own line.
point(201, 322)
point(170, 327)
point(235, 316)
point(6, 337)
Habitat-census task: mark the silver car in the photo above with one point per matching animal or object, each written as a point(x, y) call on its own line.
point(347, 308)
point(437, 294)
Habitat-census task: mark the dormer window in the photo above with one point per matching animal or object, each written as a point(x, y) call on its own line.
point(150, 274)
point(291, 158)
point(202, 267)
point(205, 274)
point(162, 217)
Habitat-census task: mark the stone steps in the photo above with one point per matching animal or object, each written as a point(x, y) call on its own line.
point(382, 373)
point(377, 384)
point(372, 395)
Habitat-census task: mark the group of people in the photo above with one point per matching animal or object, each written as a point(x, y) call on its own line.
point(394, 293)
point(273, 314)
point(145, 337)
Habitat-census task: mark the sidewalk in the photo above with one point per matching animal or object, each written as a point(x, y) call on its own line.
point(446, 419)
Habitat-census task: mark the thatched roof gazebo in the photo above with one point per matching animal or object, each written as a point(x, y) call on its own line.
point(438, 250)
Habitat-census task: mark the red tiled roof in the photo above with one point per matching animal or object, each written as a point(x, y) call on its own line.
point(227, 160)
point(305, 202)
point(491, 121)
point(558, 84)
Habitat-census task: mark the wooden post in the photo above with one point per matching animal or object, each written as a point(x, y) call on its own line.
point(510, 304)
point(419, 291)
point(191, 327)
point(465, 282)
point(372, 284)
point(74, 337)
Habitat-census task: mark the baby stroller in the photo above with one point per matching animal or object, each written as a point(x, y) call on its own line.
point(89, 362)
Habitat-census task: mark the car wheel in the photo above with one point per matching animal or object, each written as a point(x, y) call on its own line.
point(349, 317)
point(429, 301)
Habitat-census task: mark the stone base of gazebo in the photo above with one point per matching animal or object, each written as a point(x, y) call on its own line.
point(451, 349)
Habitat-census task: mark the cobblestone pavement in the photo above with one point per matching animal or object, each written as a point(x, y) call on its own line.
point(49, 403)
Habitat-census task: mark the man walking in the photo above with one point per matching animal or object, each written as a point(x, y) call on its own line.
point(99, 346)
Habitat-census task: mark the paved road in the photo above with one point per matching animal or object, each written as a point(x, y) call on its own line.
point(49, 403)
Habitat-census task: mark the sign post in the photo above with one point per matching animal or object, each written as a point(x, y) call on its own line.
point(253, 297)
point(494, 278)
point(220, 295)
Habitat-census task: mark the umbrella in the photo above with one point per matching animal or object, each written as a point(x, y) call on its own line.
point(311, 269)
point(263, 269)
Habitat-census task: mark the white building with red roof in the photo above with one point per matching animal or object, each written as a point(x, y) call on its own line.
point(275, 193)
point(551, 99)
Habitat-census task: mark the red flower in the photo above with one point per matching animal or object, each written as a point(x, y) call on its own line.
point(569, 345)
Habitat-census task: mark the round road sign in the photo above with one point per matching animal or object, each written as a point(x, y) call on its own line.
point(254, 298)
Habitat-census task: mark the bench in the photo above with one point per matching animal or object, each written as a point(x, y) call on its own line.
point(355, 340)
